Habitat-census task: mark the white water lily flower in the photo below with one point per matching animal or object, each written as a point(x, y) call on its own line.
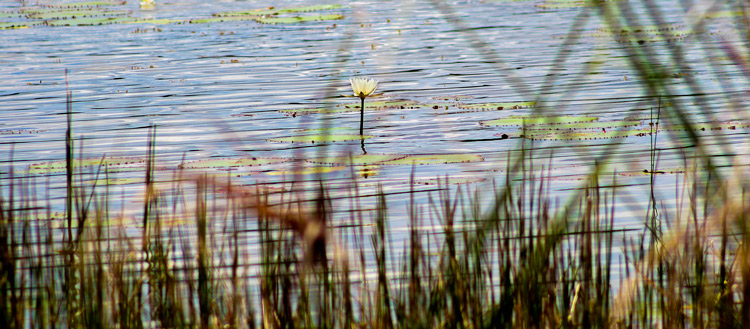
point(363, 87)
point(148, 4)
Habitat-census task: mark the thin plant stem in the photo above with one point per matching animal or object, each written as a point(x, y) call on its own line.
point(361, 116)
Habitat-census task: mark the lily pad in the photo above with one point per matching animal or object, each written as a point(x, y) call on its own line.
point(364, 159)
point(597, 130)
point(452, 98)
point(310, 8)
point(709, 126)
point(307, 171)
point(6, 14)
point(368, 171)
point(219, 19)
point(75, 13)
point(434, 106)
point(429, 159)
point(723, 14)
point(398, 159)
point(641, 38)
point(583, 135)
point(497, 106)
point(642, 29)
point(566, 4)
point(326, 130)
point(382, 105)
point(151, 21)
point(226, 163)
point(354, 107)
point(648, 117)
point(114, 164)
point(325, 138)
point(90, 21)
point(306, 111)
point(13, 25)
point(645, 33)
point(22, 131)
point(297, 19)
point(274, 11)
point(517, 120)
point(563, 4)
point(449, 180)
point(658, 171)
point(88, 4)
point(595, 125)
point(118, 181)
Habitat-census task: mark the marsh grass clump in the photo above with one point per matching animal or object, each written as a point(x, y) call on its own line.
point(245, 256)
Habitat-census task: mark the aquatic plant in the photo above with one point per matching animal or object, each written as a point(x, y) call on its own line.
point(148, 4)
point(362, 88)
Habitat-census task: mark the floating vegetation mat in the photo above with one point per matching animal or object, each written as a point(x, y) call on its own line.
point(587, 125)
point(641, 29)
point(398, 159)
point(87, 4)
point(306, 171)
point(329, 130)
point(496, 106)
point(229, 163)
point(582, 135)
point(665, 36)
point(642, 34)
point(313, 110)
point(297, 19)
point(74, 13)
point(14, 25)
point(276, 11)
point(93, 13)
point(120, 181)
point(723, 14)
point(520, 120)
point(353, 107)
point(365, 159)
point(430, 159)
point(93, 21)
point(450, 180)
point(22, 131)
point(658, 171)
point(368, 171)
point(456, 98)
point(111, 164)
point(378, 105)
point(709, 126)
point(272, 15)
point(567, 4)
point(320, 138)
point(589, 128)
point(382, 105)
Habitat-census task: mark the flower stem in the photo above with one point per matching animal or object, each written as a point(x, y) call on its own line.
point(362, 116)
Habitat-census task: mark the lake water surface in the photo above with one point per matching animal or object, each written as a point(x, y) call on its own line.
point(228, 89)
